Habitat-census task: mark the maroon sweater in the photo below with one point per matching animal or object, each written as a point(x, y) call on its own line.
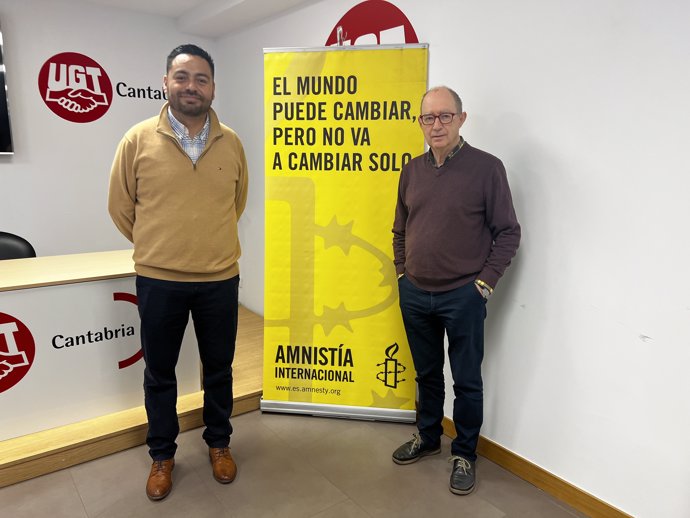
point(455, 223)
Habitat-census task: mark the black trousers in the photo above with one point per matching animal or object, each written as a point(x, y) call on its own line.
point(428, 316)
point(164, 308)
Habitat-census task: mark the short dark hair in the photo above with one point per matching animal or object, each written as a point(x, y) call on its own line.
point(453, 94)
point(192, 50)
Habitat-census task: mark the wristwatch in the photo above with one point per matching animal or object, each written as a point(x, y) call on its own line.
point(483, 289)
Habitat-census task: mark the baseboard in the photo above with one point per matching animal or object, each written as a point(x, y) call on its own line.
point(44, 452)
point(539, 477)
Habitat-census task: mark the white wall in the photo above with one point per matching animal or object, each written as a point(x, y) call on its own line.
point(588, 334)
point(53, 190)
point(585, 102)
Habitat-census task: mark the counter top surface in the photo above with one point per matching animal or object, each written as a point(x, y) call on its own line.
point(19, 274)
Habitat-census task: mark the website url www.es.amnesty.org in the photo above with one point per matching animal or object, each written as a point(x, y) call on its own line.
point(312, 390)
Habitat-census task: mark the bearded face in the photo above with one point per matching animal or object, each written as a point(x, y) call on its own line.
point(189, 86)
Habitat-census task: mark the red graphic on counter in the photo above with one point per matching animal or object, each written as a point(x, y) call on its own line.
point(17, 351)
point(75, 87)
point(374, 22)
point(123, 364)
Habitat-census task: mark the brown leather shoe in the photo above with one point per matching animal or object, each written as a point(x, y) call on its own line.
point(224, 468)
point(159, 483)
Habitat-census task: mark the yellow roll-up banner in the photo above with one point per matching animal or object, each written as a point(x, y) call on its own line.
point(340, 123)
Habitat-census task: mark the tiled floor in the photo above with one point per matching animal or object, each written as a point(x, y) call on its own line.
point(289, 466)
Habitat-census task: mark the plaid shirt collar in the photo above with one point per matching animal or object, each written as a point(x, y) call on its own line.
point(193, 146)
point(181, 131)
point(453, 152)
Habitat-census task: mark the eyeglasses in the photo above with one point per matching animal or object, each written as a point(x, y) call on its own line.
point(429, 119)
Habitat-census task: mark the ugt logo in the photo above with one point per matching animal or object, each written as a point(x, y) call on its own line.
point(17, 350)
point(374, 22)
point(75, 87)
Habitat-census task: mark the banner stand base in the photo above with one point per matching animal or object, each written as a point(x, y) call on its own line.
point(341, 411)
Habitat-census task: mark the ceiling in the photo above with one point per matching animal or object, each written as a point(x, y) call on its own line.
point(209, 18)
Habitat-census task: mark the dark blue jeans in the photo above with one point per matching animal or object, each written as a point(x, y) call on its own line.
point(164, 308)
point(460, 314)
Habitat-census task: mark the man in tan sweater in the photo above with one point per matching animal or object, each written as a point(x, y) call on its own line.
point(178, 186)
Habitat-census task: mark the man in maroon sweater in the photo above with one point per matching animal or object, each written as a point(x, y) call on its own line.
point(454, 235)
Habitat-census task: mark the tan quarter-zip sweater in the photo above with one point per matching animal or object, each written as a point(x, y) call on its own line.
point(181, 217)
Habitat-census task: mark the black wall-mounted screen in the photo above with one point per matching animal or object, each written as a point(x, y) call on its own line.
point(5, 132)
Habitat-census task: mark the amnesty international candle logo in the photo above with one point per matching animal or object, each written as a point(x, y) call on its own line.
point(340, 126)
point(392, 368)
